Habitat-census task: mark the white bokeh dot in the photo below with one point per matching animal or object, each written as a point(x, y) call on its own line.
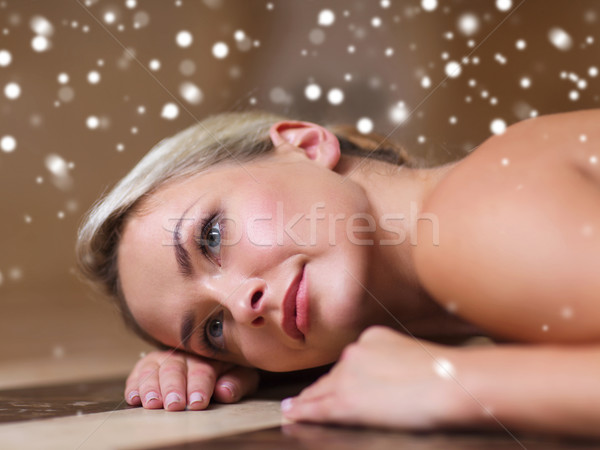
point(12, 91)
point(335, 96)
point(429, 5)
point(220, 50)
point(8, 144)
point(42, 26)
point(169, 111)
point(110, 17)
point(453, 69)
point(154, 64)
point(468, 24)
point(56, 165)
point(525, 82)
point(560, 39)
point(5, 58)
point(573, 95)
point(184, 38)
point(399, 113)
point(92, 122)
point(239, 35)
point(503, 5)
point(444, 368)
point(326, 18)
point(364, 125)
point(93, 77)
point(191, 93)
point(63, 78)
point(312, 91)
point(40, 43)
point(593, 71)
point(498, 126)
point(521, 44)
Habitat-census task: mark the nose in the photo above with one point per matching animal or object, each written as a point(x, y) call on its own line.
point(247, 305)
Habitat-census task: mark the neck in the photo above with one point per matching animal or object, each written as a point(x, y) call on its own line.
point(396, 196)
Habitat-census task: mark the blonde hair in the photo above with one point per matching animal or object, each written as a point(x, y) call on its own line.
point(230, 136)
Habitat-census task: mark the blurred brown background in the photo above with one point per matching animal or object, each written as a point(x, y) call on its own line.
point(89, 86)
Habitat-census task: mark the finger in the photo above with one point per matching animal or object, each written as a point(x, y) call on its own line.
point(236, 384)
point(148, 385)
point(201, 377)
point(132, 393)
point(132, 384)
point(322, 409)
point(172, 376)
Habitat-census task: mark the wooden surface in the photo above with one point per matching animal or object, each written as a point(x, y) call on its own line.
point(93, 415)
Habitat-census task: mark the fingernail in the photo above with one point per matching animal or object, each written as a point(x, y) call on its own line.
point(196, 397)
point(286, 404)
point(151, 396)
point(172, 398)
point(132, 395)
point(229, 386)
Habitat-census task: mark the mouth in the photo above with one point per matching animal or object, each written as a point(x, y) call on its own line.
point(295, 308)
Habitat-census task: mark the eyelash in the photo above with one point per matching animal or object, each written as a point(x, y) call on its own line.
point(204, 227)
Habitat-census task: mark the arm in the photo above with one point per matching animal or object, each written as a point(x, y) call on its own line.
point(536, 388)
point(390, 380)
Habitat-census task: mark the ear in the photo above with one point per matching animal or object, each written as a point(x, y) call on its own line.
point(317, 143)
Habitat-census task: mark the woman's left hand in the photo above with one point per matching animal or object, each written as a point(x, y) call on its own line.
point(385, 379)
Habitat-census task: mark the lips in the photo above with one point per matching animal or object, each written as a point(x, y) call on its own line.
point(295, 308)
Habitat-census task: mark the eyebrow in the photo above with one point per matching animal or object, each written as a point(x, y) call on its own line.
point(182, 256)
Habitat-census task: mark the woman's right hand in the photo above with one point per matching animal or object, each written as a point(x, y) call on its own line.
point(173, 379)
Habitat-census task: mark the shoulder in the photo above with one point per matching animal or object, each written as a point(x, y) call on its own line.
point(513, 256)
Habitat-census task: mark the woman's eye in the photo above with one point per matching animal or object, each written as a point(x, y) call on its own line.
point(209, 240)
point(215, 328)
point(214, 333)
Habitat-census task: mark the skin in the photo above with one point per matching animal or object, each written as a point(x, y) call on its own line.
point(520, 208)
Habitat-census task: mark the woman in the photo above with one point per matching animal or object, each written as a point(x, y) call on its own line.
point(254, 241)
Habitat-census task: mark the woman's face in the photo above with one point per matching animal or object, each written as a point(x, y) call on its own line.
point(248, 236)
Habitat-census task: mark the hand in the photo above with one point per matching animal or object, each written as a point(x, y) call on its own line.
point(175, 379)
point(385, 379)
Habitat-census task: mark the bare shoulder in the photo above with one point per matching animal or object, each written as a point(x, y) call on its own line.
point(518, 250)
